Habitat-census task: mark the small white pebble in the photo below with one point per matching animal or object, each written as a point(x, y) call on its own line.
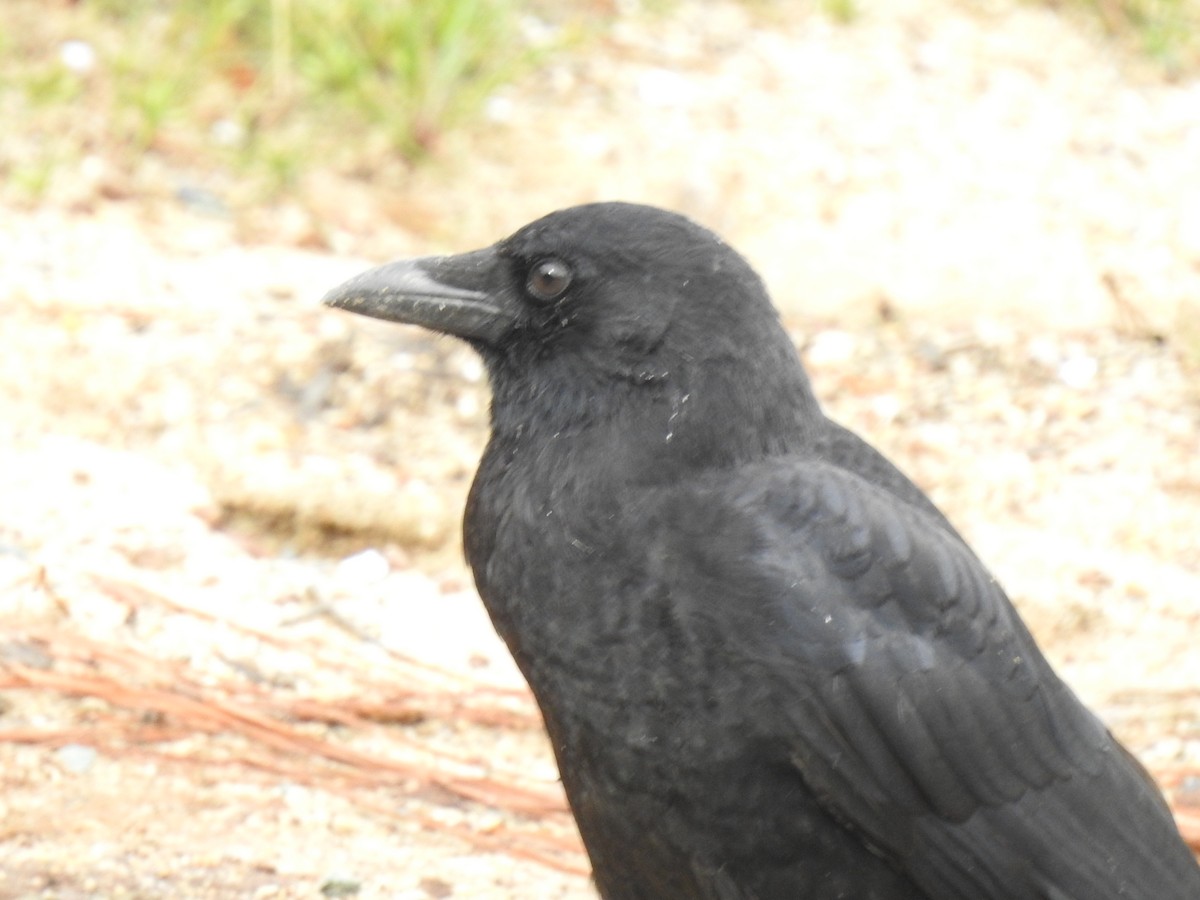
point(886, 407)
point(663, 88)
point(227, 133)
point(537, 31)
point(498, 108)
point(472, 369)
point(467, 405)
point(366, 567)
point(1078, 371)
point(78, 56)
point(76, 758)
point(828, 348)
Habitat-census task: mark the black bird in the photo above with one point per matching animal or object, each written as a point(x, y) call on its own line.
point(768, 665)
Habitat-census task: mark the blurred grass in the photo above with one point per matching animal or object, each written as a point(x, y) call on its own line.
point(843, 12)
point(1165, 31)
point(261, 92)
point(265, 86)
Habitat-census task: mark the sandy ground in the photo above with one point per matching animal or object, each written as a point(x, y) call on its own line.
point(240, 655)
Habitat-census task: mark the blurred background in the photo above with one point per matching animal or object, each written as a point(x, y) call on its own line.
point(239, 651)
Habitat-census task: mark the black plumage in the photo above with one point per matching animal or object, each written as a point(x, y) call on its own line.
point(768, 665)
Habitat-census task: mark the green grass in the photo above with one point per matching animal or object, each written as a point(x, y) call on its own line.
point(1165, 31)
point(412, 68)
point(273, 88)
point(843, 12)
point(285, 82)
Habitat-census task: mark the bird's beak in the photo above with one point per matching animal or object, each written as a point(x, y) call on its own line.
point(451, 294)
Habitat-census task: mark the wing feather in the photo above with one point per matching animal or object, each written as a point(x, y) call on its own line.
point(916, 705)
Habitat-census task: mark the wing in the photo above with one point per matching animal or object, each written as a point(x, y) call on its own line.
point(913, 700)
point(846, 450)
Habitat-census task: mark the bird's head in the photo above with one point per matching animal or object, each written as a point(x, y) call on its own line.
point(603, 310)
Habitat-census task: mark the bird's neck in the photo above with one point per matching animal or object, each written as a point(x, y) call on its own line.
point(561, 469)
point(653, 429)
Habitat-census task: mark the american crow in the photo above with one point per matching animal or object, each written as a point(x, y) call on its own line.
point(768, 665)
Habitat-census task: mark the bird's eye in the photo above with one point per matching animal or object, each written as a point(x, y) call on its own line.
point(548, 280)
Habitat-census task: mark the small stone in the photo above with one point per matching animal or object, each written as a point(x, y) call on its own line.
point(76, 758)
point(78, 56)
point(437, 888)
point(227, 133)
point(1078, 372)
point(367, 567)
point(340, 887)
point(829, 348)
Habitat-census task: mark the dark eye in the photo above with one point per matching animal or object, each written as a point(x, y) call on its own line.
point(548, 280)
